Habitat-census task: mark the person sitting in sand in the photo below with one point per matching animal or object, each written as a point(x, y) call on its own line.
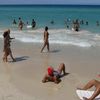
point(90, 84)
point(54, 75)
point(46, 39)
point(7, 49)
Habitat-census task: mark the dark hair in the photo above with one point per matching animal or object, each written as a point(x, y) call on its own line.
point(5, 34)
point(46, 28)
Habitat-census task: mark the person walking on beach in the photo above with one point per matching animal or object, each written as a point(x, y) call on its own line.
point(54, 75)
point(7, 50)
point(46, 39)
point(90, 84)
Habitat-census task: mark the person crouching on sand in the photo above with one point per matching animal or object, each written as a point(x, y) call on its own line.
point(7, 50)
point(54, 75)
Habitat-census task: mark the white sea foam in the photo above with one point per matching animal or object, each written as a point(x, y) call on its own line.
point(56, 36)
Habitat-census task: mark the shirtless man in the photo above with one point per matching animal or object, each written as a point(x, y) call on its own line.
point(46, 41)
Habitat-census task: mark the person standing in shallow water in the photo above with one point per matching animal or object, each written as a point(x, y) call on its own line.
point(21, 24)
point(46, 39)
point(33, 23)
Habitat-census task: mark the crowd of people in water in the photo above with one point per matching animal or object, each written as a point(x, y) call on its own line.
point(77, 23)
point(21, 24)
point(74, 24)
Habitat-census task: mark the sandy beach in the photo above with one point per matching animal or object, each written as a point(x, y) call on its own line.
point(21, 80)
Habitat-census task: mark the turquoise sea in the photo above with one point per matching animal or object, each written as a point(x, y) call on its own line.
point(89, 35)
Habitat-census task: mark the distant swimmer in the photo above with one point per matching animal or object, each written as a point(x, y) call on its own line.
point(27, 23)
point(19, 18)
point(33, 23)
point(87, 23)
point(52, 22)
point(46, 39)
point(81, 22)
point(97, 23)
point(66, 23)
point(14, 21)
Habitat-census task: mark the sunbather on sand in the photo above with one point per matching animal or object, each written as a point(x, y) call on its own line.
point(54, 75)
point(90, 84)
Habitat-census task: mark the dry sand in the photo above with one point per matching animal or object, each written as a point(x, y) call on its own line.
point(21, 80)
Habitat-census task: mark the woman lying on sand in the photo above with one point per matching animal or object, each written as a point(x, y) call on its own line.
point(54, 75)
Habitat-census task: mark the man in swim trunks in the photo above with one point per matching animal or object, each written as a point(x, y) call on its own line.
point(53, 75)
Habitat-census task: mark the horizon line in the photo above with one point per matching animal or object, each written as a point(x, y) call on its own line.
point(54, 4)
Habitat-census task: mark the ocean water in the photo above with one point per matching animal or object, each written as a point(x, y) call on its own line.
point(89, 35)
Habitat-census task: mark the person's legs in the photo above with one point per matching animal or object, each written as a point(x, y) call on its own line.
point(96, 93)
point(90, 84)
point(97, 90)
point(48, 46)
point(43, 47)
point(5, 56)
point(61, 68)
point(12, 57)
point(10, 53)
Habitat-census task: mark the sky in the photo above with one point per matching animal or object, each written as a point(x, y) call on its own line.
point(97, 2)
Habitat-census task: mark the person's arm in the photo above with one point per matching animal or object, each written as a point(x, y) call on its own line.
point(12, 38)
point(44, 36)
